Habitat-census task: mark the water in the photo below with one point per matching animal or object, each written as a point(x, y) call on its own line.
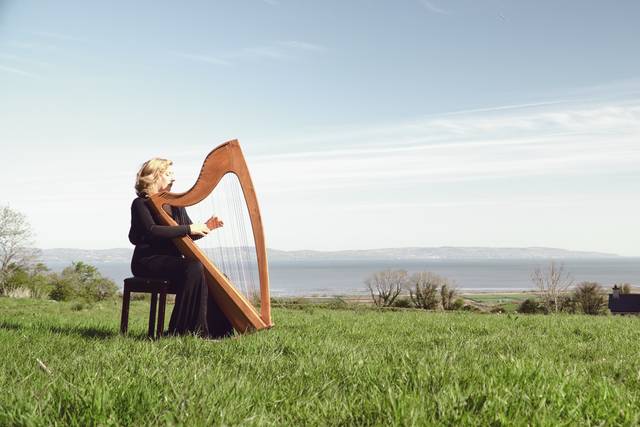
point(318, 278)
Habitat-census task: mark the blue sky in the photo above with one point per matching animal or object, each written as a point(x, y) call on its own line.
point(366, 124)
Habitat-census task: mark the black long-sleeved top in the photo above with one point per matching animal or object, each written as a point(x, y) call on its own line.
point(151, 238)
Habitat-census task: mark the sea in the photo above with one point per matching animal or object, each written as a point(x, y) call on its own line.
point(346, 278)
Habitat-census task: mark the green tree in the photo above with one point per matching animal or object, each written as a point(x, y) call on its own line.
point(84, 281)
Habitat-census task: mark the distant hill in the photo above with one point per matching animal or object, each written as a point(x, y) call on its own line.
point(123, 255)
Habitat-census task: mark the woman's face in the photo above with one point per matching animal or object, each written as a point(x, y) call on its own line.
point(166, 180)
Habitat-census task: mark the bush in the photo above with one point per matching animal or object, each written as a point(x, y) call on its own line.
point(403, 302)
point(423, 289)
point(337, 303)
point(625, 288)
point(77, 306)
point(447, 295)
point(589, 296)
point(567, 304)
point(531, 306)
point(17, 279)
point(83, 281)
point(35, 279)
point(457, 304)
point(62, 290)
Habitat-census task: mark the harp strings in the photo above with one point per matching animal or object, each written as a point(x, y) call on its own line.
point(231, 248)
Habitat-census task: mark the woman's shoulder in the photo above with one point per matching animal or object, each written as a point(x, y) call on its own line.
point(139, 202)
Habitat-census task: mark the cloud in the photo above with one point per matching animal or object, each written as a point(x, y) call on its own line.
point(279, 50)
point(433, 8)
point(272, 2)
point(27, 61)
point(552, 139)
point(56, 36)
point(13, 70)
point(203, 58)
point(298, 45)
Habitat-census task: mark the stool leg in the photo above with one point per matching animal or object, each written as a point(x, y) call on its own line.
point(152, 313)
point(124, 317)
point(161, 308)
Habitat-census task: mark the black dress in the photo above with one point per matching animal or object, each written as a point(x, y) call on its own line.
point(155, 256)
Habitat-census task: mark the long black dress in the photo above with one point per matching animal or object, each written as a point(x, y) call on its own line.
point(155, 256)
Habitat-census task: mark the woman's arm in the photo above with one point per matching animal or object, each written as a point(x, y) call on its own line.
point(140, 210)
point(196, 231)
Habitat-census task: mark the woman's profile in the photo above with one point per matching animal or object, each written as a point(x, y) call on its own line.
point(155, 255)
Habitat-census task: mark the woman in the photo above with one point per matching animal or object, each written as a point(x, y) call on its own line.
point(156, 256)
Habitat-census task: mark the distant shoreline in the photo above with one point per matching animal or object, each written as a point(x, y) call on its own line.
point(331, 278)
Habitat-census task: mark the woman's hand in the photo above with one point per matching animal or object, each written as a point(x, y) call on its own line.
point(214, 222)
point(198, 229)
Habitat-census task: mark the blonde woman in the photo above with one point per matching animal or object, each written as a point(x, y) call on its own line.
point(156, 256)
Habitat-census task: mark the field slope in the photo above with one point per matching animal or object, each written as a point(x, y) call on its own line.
point(318, 367)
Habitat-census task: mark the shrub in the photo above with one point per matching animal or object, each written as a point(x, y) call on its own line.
point(84, 281)
point(531, 306)
point(567, 304)
point(589, 296)
point(457, 304)
point(78, 306)
point(17, 279)
point(497, 310)
point(625, 288)
point(423, 289)
point(35, 281)
point(62, 290)
point(403, 302)
point(337, 303)
point(447, 295)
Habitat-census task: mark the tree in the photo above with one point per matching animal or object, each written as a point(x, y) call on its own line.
point(589, 296)
point(16, 244)
point(385, 286)
point(423, 289)
point(84, 281)
point(551, 284)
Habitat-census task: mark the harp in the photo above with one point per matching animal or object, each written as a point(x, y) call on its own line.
point(226, 162)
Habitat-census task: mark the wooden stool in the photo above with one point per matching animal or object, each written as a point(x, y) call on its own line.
point(150, 286)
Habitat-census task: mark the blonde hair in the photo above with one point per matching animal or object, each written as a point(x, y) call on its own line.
point(149, 173)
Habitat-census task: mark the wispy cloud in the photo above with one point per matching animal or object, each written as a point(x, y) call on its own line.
point(28, 61)
point(272, 2)
point(279, 50)
point(432, 7)
point(13, 70)
point(203, 58)
point(56, 36)
point(299, 45)
point(551, 140)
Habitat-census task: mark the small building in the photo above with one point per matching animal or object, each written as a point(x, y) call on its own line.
point(620, 303)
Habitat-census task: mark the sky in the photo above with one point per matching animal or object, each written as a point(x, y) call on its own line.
point(365, 124)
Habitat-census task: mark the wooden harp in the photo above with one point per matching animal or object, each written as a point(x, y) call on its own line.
point(224, 159)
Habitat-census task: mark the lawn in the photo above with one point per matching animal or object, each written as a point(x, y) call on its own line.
point(318, 367)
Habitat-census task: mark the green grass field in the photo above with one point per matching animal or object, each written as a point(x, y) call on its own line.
point(319, 367)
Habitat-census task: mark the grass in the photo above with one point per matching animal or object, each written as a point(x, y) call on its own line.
point(319, 367)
